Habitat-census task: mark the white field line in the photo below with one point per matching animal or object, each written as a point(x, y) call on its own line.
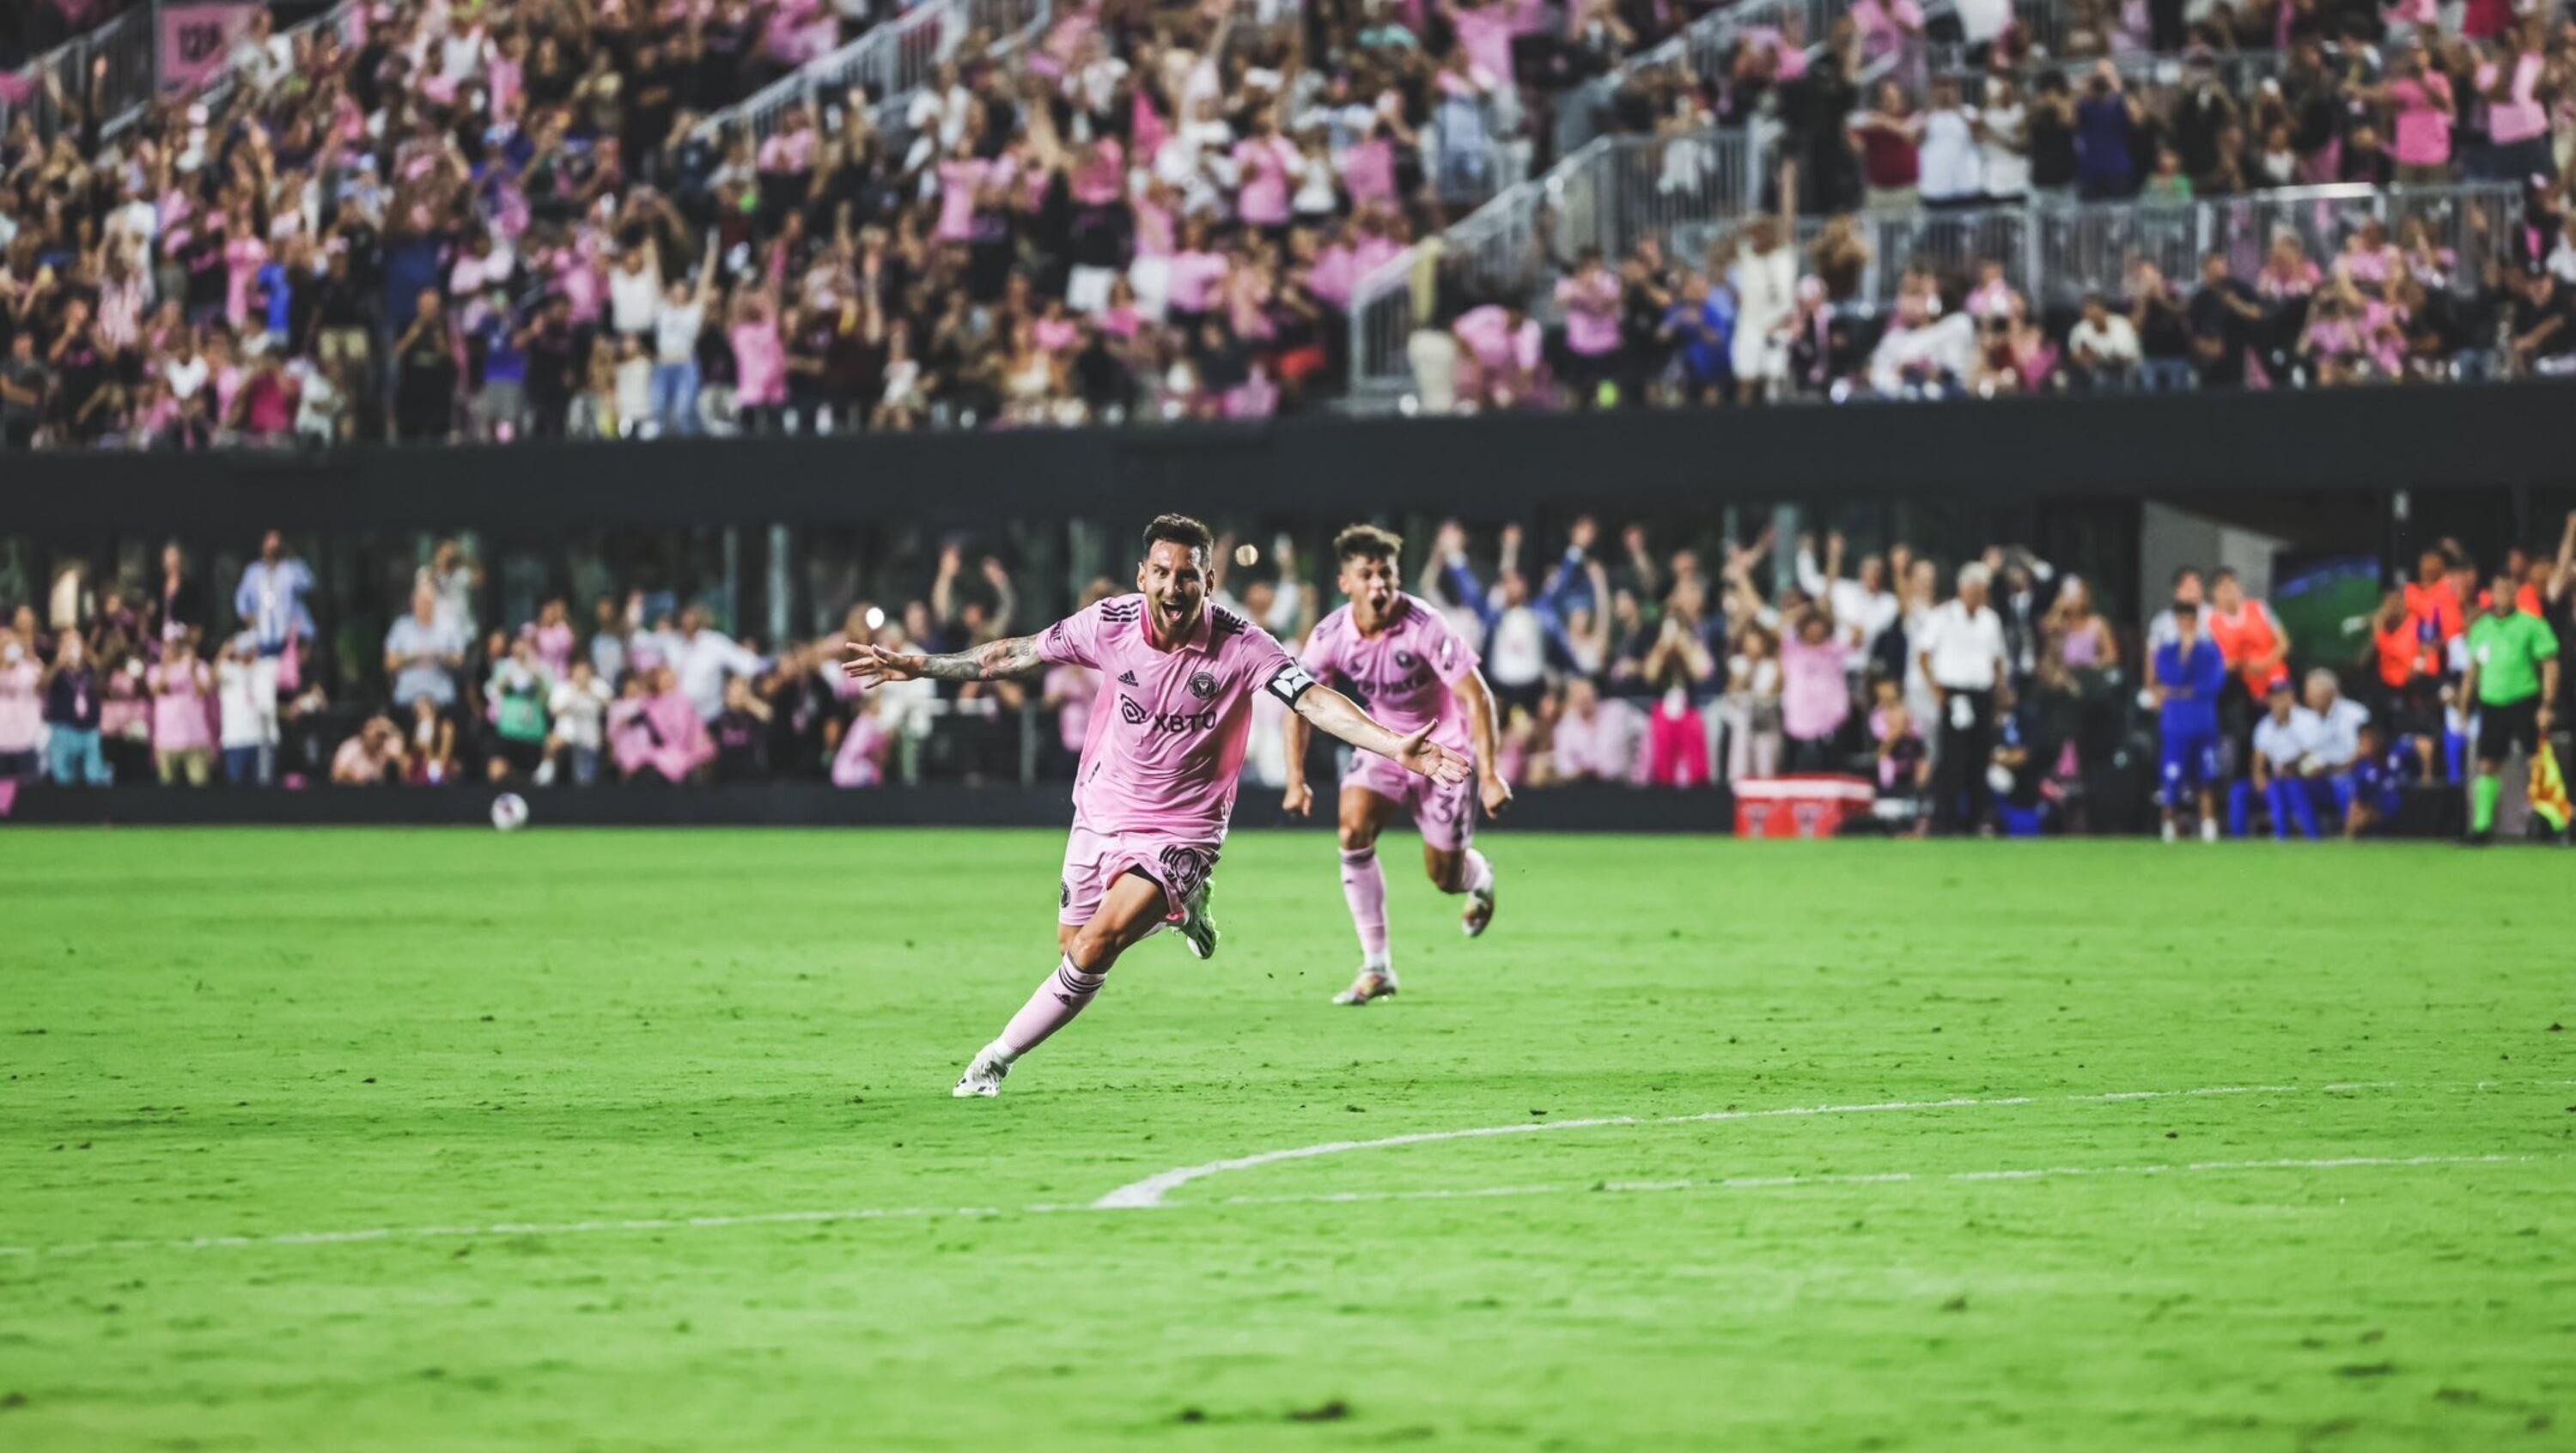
point(1324, 1198)
point(1133, 1196)
point(1148, 1193)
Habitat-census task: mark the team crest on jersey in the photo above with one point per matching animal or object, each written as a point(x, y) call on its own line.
point(1202, 684)
point(1130, 712)
point(1405, 660)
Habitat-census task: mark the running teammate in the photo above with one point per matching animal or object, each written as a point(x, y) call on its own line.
point(1156, 785)
point(1401, 657)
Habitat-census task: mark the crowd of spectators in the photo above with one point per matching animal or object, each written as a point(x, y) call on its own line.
point(2459, 288)
point(1992, 695)
point(512, 218)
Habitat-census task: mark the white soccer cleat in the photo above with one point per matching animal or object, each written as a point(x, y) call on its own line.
point(2173, 832)
point(1370, 985)
point(1479, 911)
point(984, 1074)
point(2209, 829)
point(1197, 929)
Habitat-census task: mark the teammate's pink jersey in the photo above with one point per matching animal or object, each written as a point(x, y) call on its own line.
point(1404, 674)
point(1168, 728)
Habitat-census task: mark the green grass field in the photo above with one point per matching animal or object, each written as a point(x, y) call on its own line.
point(495, 1050)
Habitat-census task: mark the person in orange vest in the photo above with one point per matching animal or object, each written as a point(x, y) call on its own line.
point(2432, 604)
point(2408, 674)
point(2250, 638)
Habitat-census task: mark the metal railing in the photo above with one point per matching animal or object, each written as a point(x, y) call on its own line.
point(1706, 42)
point(1612, 194)
point(124, 43)
point(889, 63)
point(2056, 252)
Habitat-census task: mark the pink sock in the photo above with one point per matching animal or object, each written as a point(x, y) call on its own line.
point(1051, 1008)
point(1364, 887)
point(1479, 875)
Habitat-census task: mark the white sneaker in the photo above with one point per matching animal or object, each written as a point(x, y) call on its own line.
point(1372, 984)
point(1197, 929)
point(2173, 832)
point(2209, 829)
point(984, 1074)
point(1479, 911)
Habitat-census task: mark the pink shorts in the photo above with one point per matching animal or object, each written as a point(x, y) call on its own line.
point(1446, 816)
point(1094, 860)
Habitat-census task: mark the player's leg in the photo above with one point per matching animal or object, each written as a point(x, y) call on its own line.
point(2495, 742)
point(1447, 818)
point(1130, 911)
point(1364, 814)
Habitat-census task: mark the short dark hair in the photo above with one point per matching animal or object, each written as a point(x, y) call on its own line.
point(1367, 542)
point(2222, 575)
point(1180, 530)
point(2185, 572)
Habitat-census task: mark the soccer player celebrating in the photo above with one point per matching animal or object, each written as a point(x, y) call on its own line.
point(1156, 785)
point(2512, 678)
point(1402, 658)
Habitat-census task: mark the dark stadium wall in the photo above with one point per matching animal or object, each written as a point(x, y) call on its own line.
point(2006, 452)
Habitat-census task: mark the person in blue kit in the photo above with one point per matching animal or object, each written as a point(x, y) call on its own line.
point(2373, 790)
point(2189, 676)
point(2276, 769)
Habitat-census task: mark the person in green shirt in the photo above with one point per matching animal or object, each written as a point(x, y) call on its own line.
point(518, 692)
point(2513, 677)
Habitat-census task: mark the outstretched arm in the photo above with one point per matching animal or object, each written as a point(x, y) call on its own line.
point(1337, 715)
point(1478, 698)
point(1012, 656)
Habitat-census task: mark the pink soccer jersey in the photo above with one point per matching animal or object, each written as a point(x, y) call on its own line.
point(1404, 674)
point(1169, 727)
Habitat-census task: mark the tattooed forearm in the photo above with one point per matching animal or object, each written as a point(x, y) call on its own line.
point(990, 661)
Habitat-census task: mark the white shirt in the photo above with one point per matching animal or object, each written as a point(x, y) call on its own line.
point(633, 298)
point(185, 376)
point(1982, 20)
point(2338, 733)
point(1948, 157)
point(578, 712)
point(2007, 170)
point(704, 661)
point(237, 704)
point(2115, 342)
point(2283, 743)
point(1965, 649)
point(1517, 655)
point(675, 332)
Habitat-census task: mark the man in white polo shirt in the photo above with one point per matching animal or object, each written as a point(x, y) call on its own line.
point(1962, 654)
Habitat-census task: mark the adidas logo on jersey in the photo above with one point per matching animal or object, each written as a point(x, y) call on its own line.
point(1126, 678)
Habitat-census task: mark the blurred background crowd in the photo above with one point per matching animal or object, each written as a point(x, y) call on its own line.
point(499, 219)
point(1995, 692)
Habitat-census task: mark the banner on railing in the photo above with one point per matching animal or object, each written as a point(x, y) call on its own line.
point(195, 37)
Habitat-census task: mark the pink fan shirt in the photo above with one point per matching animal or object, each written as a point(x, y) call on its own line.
point(1265, 164)
point(2423, 119)
point(179, 718)
point(1814, 698)
point(1196, 276)
point(1170, 725)
point(1405, 675)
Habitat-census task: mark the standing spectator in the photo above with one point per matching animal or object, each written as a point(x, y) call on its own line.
point(423, 652)
point(1952, 167)
point(2163, 326)
point(2004, 142)
point(2106, 123)
point(22, 709)
point(677, 322)
point(425, 373)
point(182, 715)
point(1590, 300)
point(245, 720)
point(1594, 740)
point(740, 732)
point(705, 659)
point(579, 706)
point(74, 699)
point(270, 602)
point(2190, 674)
point(520, 693)
point(1888, 138)
point(2513, 679)
point(1815, 697)
point(2225, 315)
point(1962, 655)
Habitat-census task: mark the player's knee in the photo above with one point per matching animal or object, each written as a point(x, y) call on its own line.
point(1094, 946)
point(1358, 836)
